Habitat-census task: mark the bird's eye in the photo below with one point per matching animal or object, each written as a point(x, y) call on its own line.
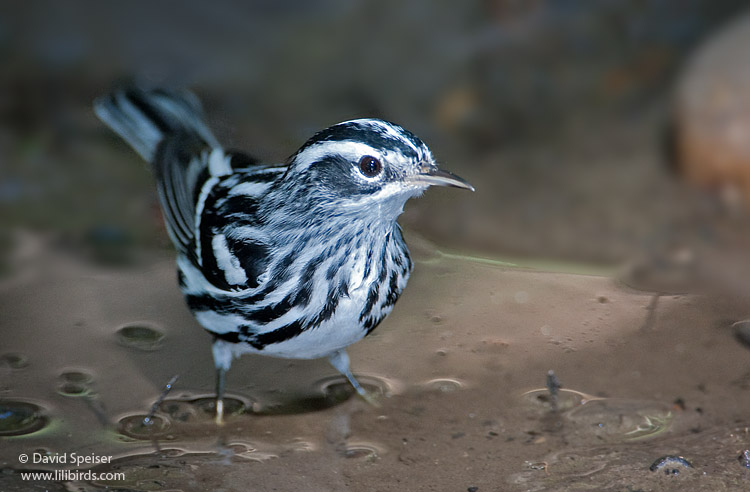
point(369, 166)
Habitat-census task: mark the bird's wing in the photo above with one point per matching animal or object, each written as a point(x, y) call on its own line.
point(181, 166)
point(167, 129)
point(232, 246)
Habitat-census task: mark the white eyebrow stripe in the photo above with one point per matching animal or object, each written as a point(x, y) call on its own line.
point(345, 148)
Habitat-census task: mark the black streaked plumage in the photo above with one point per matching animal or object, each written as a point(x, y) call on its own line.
point(295, 261)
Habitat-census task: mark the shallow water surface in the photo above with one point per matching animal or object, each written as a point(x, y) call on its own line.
point(459, 369)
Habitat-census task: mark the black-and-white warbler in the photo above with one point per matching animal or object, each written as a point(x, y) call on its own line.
point(296, 261)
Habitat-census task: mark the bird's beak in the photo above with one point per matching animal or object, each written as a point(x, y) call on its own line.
point(432, 176)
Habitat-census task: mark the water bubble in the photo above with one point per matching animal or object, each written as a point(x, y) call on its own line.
point(140, 336)
point(19, 418)
point(75, 383)
point(76, 377)
point(14, 360)
point(444, 385)
point(239, 448)
point(619, 419)
point(133, 426)
point(73, 389)
point(360, 451)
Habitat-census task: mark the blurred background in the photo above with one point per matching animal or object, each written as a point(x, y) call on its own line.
point(609, 137)
point(602, 133)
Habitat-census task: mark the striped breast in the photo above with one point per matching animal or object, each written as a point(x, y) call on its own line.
point(257, 286)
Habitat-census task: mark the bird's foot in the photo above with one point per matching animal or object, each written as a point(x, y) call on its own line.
point(219, 412)
point(371, 397)
point(340, 360)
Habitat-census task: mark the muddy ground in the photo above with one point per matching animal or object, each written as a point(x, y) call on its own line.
point(461, 369)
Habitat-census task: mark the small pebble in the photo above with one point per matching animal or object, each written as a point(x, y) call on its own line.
point(744, 458)
point(679, 404)
point(472, 489)
point(666, 461)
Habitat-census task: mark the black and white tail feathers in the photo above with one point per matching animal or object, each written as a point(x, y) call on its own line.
point(145, 118)
point(167, 129)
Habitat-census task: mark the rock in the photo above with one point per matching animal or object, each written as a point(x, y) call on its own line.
point(712, 127)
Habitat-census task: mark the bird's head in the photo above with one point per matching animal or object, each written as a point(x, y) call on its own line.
point(366, 162)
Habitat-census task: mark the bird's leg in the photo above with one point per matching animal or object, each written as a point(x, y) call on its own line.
point(340, 361)
point(221, 377)
point(222, 360)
